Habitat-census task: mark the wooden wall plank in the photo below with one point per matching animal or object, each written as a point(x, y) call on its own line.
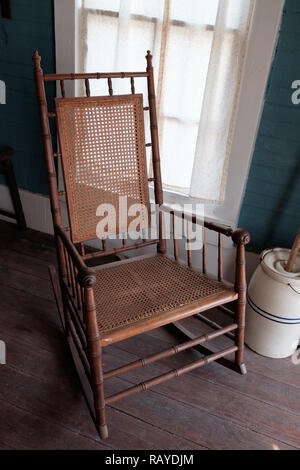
point(30, 28)
point(275, 169)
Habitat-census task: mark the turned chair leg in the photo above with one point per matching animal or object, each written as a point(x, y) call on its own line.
point(240, 319)
point(94, 352)
point(15, 196)
point(6, 169)
point(241, 237)
point(95, 359)
point(98, 389)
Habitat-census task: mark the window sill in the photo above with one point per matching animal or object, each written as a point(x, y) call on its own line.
point(179, 201)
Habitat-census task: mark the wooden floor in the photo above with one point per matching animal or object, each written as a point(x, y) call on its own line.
point(42, 407)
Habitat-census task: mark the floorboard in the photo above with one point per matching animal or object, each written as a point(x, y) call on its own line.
point(42, 407)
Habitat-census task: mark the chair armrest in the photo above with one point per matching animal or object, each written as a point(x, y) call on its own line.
point(86, 275)
point(239, 236)
point(223, 229)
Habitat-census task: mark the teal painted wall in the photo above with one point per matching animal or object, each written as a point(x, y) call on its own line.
point(31, 27)
point(271, 207)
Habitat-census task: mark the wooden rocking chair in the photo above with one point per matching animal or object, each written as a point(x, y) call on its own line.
point(102, 149)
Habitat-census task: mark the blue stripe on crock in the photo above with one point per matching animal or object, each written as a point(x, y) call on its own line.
point(259, 311)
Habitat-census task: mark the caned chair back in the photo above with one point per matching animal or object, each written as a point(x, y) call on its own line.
point(102, 144)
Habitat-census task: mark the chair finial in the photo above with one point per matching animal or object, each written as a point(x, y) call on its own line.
point(36, 60)
point(149, 59)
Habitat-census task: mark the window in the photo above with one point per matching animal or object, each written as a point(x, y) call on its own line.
point(198, 49)
point(77, 43)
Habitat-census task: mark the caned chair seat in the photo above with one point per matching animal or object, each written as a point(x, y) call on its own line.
point(147, 292)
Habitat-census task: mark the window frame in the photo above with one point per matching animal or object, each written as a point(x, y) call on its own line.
point(260, 51)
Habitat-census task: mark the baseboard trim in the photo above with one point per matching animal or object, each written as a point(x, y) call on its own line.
point(36, 209)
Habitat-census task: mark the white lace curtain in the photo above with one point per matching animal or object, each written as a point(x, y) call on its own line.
point(198, 48)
